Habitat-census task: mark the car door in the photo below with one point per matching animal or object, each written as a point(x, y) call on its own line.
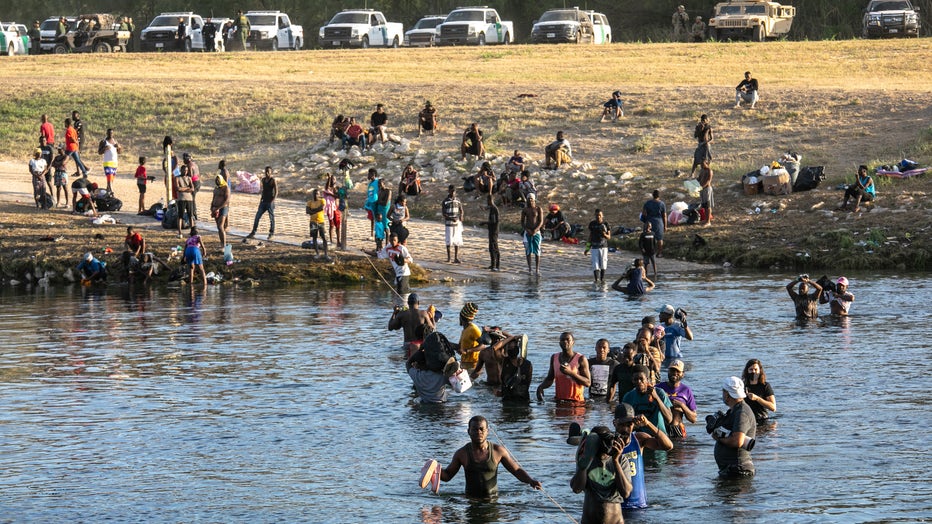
point(493, 28)
point(377, 30)
point(585, 28)
point(285, 34)
point(197, 32)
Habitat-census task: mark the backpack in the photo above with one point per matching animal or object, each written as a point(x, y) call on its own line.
point(170, 218)
point(108, 203)
point(809, 178)
point(437, 351)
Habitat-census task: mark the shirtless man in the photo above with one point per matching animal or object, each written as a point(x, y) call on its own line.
point(409, 319)
point(492, 357)
point(480, 459)
point(532, 219)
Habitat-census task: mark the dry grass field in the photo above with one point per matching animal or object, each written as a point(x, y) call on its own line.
point(838, 103)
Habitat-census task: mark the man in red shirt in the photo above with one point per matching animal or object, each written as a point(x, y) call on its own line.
point(355, 136)
point(134, 242)
point(47, 130)
point(71, 146)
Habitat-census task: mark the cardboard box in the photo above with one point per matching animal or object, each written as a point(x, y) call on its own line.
point(777, 184)
point(751, 188)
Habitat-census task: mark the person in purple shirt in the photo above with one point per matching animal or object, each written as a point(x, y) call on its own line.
point(681, 396)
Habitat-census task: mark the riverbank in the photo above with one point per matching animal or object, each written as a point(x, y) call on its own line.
point(819, 110)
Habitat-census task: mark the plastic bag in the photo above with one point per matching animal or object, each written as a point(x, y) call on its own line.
point(692, 187)
point(246, 182)
point(460, 381)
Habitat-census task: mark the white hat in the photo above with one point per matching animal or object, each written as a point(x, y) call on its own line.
point(734, 386)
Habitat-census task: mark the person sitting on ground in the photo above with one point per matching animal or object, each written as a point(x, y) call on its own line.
point(746, 91)
point(410, 181)
point(427, 121)
point(480, 459)
point(472, 142)
point(378, 123)
point(555, 223)
point(516, 163)
point(839, 300)
point(861, 191)
point(638, 283)
point(338, 129)
point(526, 188)
point(91, 269)
point(613, 109)
point(134, 242)
point(355, 136)
point(697, 31)
point(510, 194)
point(485, 179)
point(681, 396)
point(558, 152)
point(807, 304)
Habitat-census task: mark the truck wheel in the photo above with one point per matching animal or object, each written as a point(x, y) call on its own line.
point(365, 42)
point(481, 38)
point(60, 49)
point(102, 47)
point(758, 33)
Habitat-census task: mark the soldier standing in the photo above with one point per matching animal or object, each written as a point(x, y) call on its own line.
point(680, 24)
point(242, 28)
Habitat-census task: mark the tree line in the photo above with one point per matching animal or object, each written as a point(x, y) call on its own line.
point(631, 20)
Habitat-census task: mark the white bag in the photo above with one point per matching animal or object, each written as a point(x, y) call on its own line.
point(460, 381)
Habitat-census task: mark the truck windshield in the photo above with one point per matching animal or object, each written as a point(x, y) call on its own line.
point(466, 16)
point(730, 10)
point(350, 18)
point(756, 9)
point(260, 20)
point(559, 16)
point(164, 21)
point(49, 25)
point(428, 23)
point(890, 6)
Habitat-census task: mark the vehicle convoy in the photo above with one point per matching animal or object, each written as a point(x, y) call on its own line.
point(361, 28)
point(47, 31)
point(273, 30)
point(477, 25)
point(756, 20)
point(162, 33)
point(96, 33)
point(13, 39)
point(571, 26)
point(424, 32)
point(890, 18)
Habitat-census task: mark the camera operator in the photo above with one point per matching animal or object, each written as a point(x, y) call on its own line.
point(675, 330)
point(733, 432)
point(807, 304)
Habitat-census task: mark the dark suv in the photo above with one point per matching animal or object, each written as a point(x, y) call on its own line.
point(890, 18)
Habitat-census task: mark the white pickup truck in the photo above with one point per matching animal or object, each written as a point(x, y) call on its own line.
point(361, 28)
point(478, 25)
point(273, 30)
point(13, 39)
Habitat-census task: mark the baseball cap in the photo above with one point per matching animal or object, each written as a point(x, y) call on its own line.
point(677, 364)
point(843, 281)
point(624, 412)
point(668, 309)
point(734, 386)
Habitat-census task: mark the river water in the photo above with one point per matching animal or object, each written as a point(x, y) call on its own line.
point(292, 405)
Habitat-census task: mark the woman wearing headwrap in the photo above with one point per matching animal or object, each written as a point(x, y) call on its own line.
point(469, 345)
point(220, 208)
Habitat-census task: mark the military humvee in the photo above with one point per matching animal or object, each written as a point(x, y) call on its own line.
point(755, 20)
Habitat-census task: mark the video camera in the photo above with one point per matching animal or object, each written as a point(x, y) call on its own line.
point(713, 425)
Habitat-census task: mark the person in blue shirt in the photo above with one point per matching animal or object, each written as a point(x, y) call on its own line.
point(614, 108)
point(92, 269)
point(675, 330)
point(861, 191)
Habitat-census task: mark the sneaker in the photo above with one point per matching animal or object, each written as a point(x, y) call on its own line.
point(270, 236)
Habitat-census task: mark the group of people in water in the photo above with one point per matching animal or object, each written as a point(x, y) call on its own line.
point(649, 414)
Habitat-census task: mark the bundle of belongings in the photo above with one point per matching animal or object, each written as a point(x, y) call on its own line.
point(783, 176)
point(903, 169)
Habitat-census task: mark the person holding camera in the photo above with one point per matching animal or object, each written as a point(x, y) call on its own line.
point(675, 330)
point(807, 304)
point(605, 476)
point(733, 432)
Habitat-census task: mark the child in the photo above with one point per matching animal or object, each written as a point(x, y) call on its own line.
point(648, 245)
point(315, 208)
point(141, 184)
point(60, 163)
point(194, 255)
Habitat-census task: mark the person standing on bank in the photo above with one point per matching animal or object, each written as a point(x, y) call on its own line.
point(452, 210)
point(266, 204)
point(315, 208)
point(532, 219)
point(655, 212)
point(495, 254)
point(704, 136)
point(599, 234)
point(734, 433)
point(185, 201)
point(705, 191)
point(220, 208)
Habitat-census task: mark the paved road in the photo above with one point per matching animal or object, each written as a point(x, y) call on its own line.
point(426, 241)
